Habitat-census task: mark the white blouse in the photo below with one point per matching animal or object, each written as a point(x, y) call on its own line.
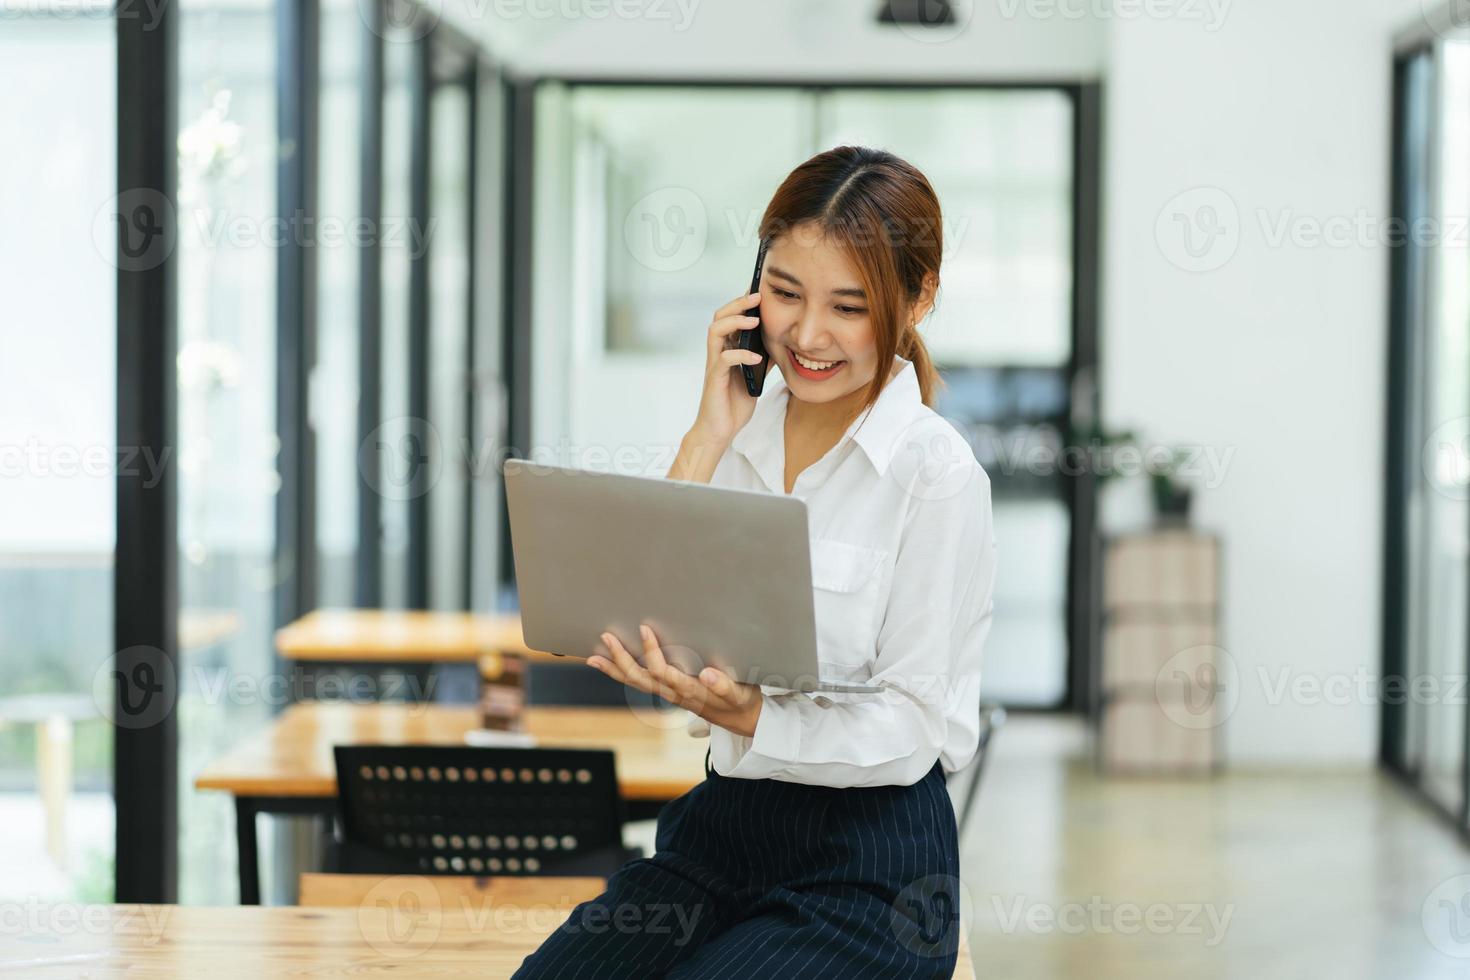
point(903, 575)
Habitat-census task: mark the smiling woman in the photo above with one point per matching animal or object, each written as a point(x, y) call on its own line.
point(823, 839)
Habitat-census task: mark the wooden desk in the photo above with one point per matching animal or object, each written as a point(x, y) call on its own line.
point(288, 767)
point(170, 942)
point(402, 637)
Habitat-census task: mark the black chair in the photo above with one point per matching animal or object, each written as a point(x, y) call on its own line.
point(992, 717)
point(454, 810)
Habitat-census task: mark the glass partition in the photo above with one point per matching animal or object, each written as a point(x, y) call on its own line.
point(229, 453)
point(450, 374)
point(395, 438)
point(1435, 335)
point(333, 408)
point(58, 454)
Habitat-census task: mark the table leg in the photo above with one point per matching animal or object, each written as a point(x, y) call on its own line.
point(53, 779)
point(249, 856)
point(247, 808)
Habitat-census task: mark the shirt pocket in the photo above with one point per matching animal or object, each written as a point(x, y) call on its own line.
point(846, 586)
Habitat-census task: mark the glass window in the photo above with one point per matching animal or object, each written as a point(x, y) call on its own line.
point(661, 230)
point(398, 455)
point(57, 455)
point(490, 417)
point(449, 373)
point(1439, 392)
point(674, 215)
point(228, 449)
point(1001, 163)
point(334, 381)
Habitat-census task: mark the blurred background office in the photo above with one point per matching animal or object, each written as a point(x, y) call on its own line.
point(285, 282)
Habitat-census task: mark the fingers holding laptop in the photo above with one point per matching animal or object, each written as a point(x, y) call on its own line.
point(714, 695)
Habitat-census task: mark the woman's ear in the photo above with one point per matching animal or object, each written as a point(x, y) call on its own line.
point(924, 302)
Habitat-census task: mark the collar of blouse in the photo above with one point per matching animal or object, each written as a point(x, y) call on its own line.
point(876, 431)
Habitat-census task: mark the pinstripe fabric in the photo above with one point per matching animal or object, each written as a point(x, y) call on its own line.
point(772, 879)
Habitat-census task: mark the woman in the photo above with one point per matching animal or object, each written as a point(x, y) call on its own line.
point(822, 842)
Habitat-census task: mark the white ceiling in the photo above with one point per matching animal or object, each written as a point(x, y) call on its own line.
point(765, 39)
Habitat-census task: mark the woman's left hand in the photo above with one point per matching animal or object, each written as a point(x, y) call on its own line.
point(713, 696)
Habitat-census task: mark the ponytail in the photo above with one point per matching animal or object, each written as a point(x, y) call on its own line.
point(912, 348)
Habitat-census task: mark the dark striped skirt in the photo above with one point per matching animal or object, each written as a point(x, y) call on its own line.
point(764, 878)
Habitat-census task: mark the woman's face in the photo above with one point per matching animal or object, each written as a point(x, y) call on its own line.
point(815, 318)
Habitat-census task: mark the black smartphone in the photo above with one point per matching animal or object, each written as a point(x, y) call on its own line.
point(755, 374)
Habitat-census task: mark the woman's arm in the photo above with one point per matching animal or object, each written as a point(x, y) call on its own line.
point(929, 652)
point(724, 404)
point(699, 454)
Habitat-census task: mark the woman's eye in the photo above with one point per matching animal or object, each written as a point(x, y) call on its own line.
point(784, 294)
point(851, 310)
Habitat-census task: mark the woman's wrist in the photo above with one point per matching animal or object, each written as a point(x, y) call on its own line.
point(699, 454)
point(700, 436)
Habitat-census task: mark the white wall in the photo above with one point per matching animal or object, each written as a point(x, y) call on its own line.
point(1277, 354)
point(994, 39)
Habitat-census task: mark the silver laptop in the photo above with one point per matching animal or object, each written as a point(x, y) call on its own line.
point(723, 576)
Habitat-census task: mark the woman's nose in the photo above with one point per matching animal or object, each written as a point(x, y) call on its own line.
point(809, 334)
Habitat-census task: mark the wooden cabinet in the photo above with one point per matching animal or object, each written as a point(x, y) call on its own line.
point(1163, 678)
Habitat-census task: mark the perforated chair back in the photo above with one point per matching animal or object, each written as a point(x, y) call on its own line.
point(476, 811)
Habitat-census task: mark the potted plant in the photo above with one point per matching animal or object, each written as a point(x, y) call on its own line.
point(1171, 494)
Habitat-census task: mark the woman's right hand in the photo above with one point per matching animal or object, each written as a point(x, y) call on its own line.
point(725, 405)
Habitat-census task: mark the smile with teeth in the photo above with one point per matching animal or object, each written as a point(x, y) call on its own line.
point(812, 365)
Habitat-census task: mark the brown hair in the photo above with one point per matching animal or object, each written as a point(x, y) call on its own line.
point(886, 215)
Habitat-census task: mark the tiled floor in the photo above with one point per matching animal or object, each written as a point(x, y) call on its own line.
point(1260, 875)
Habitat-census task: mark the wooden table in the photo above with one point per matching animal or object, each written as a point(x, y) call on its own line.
point(402, 637)
point(170, 942)
point(287, 767)
point(411, 643)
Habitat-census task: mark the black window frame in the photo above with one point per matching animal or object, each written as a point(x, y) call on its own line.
point(146, 577)
point(1401, 461)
